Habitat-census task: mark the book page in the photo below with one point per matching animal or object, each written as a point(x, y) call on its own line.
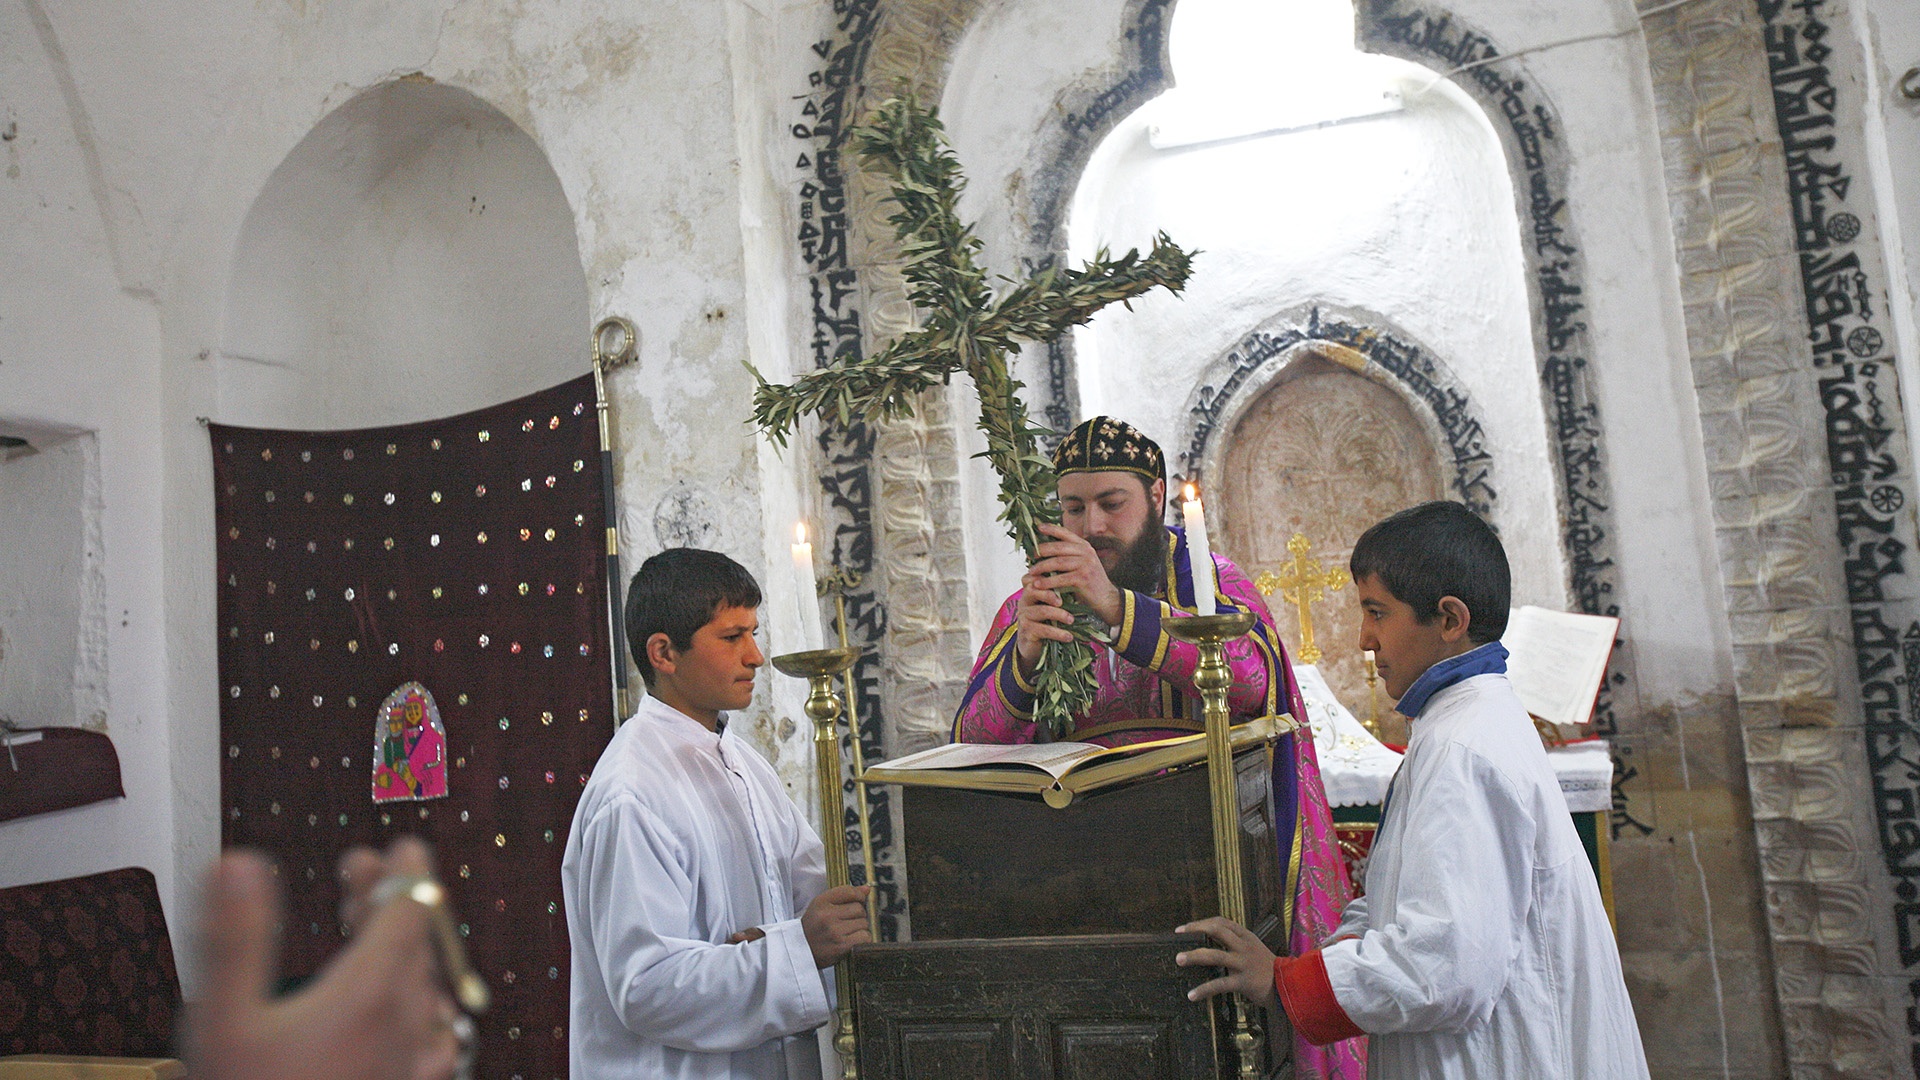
point(1055, 759)
point(1558, 659)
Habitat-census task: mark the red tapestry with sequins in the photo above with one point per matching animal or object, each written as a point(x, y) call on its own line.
point(460, 564)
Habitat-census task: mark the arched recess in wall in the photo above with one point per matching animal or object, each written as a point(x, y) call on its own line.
point(414, 256)
point(1405, 210)
point(1320, 422)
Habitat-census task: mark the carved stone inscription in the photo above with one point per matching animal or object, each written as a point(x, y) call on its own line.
point(1325, 453)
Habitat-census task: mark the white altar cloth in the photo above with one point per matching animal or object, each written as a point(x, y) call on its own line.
point(1355, 767)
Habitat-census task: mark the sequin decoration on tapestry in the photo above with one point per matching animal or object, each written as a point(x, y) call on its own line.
point(457, 566)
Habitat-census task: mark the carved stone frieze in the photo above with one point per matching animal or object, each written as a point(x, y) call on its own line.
point(891, 491)
point(1805, 551)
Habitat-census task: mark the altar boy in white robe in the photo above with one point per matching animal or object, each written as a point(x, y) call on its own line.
point(697, 899)
point(1481, 948)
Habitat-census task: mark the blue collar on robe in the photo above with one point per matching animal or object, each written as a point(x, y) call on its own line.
point(1487, 659)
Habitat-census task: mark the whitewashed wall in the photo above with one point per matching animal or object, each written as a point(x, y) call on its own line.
point(79, 354)
point(144, 138)
point(1891, 31)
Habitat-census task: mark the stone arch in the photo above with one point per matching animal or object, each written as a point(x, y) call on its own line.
point(1369, 347)
point(1082, 114)
point(413, 256)
point(1528, 125)
point(1321, 423)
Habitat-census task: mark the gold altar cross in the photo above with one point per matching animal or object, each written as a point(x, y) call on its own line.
point(1303, 582)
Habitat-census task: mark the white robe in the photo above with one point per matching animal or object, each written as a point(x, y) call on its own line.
point(1483, 949)
point(682, 838)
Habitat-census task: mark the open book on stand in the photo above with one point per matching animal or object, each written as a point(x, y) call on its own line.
point(1059, 771)
point(1557, 662)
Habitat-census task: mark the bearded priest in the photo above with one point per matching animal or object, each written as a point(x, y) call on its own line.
point(1114, 552)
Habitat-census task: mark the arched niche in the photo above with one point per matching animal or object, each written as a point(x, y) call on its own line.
point(1321, 423)
point(414, 256)
point(1405, 216)
point(1359, 185)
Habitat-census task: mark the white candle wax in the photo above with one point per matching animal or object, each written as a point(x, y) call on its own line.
point(1199, 552)
point(803, 588)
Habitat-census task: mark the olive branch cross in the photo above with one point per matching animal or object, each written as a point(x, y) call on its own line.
point(966, 328)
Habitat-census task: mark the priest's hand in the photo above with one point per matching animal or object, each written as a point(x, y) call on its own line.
point(1067, 561)
point(835, 922)
point(378, 1011)
point(1248, 961)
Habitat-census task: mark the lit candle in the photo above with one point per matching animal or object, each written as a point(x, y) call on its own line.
point(803, 588)
point(1199, 552)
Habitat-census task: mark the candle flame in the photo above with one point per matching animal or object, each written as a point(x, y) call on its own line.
point(1191, 492)
point(799, 532)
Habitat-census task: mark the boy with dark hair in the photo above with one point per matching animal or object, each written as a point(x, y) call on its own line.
point(1481, 947)
point(696, 894)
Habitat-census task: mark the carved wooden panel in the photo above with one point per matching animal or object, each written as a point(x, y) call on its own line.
point(1325, 452)
point(1103, 1007)
point(960, 1049)
point(1102, 1049)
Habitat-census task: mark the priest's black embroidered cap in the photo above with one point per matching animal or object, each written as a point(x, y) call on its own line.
point(1104, 444)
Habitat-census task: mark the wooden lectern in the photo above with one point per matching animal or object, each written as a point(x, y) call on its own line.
point(1042, 938)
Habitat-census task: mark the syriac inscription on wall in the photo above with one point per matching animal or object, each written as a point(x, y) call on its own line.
point(1840, 276)
point(1529, 129)
point(818, 126)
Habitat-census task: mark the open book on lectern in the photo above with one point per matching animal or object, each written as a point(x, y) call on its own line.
point(1060, 770)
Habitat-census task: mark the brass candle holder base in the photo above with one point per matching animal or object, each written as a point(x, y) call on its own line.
point(1209, 629)
point(814, 663)
point(1213, 679)
point(818, 667)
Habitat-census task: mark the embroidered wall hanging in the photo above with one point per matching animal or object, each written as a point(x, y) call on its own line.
point(464, 556)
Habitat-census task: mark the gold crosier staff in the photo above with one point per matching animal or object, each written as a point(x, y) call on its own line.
point(615, 343)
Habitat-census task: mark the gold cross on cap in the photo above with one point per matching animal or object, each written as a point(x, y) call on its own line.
point(1303, 582)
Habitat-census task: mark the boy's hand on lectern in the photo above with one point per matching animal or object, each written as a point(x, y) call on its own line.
point(835, 922)
point(1248, 961)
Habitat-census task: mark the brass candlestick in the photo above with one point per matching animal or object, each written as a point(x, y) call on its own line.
point(818, 667)
point(837, 582)
point(1211, 633)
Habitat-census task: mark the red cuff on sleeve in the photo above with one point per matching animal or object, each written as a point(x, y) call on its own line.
point(1307, 996)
